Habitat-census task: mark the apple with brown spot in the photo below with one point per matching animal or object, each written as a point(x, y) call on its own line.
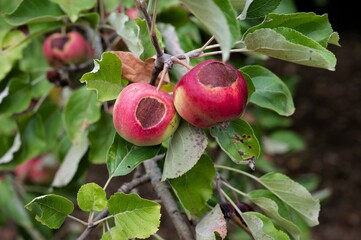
point(144, 115)
point(64, 49)
point(210, 93)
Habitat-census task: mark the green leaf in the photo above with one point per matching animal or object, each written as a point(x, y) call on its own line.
point(270, 91)
point(149, 50)
point(290, 45)
point(128, 30)
point(11, 205)
point(194, 188)
point(53, 209)
point(18, 97)
point(122, 157)
point(294, 195)
point(210, 224)
point(262, 227)
point(106, 77)
point(8, 58)
point(81, 110)
point(237, 140)
point(134, 217)
point(91, 197)
point(313, 26)
point(260, 8)
point(100, 139)
point(274, 208)
point(70, 164)
point(33, 138)
point(185, 149)
point(34, 11)
point(219, 18)
point(74, 7)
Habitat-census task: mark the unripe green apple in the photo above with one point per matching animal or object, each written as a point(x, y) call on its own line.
point(210, 93)
point(64, 49)
point(144, 115)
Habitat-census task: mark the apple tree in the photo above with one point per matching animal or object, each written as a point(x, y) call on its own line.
point(173, 94)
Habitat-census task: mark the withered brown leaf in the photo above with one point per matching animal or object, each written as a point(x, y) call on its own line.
point(136, 70)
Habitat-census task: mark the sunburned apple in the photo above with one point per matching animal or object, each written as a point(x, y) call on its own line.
point(210, 93)
point(144, 115)
point(64, 49)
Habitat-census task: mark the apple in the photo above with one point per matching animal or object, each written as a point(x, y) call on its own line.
point(211, 93)
point(38, 170)
point(144, 115)
point(64, 49)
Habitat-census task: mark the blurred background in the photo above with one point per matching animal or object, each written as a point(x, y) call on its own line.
point(328, 116)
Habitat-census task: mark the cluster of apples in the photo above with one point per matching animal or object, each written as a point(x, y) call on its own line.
point(210, 93)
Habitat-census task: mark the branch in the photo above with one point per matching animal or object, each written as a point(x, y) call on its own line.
point(184, 232)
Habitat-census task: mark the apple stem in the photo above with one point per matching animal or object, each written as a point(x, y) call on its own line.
point(164, 72)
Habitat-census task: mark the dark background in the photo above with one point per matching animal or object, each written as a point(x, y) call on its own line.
point(328, 116)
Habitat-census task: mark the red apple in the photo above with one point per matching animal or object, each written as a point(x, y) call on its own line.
point(38, 170)
point(63, 49)
point(210, 93)
point(144, 115)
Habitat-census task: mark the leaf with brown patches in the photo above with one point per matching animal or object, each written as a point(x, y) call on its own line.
point(136, 70)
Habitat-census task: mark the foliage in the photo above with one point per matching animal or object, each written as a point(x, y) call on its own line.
point(70, 117)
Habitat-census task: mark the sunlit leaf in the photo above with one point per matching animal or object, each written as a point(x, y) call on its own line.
point(106, 77)
point(134, 217)
point(91, 197)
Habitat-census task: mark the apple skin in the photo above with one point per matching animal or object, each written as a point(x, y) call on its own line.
point(134, 124)
point(71, 48)
point(221, 95)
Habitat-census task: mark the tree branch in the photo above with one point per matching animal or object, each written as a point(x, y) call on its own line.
point(184, 232)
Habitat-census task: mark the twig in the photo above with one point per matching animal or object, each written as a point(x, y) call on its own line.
point(143, 7)
point(176, 60)
point(168, 201)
